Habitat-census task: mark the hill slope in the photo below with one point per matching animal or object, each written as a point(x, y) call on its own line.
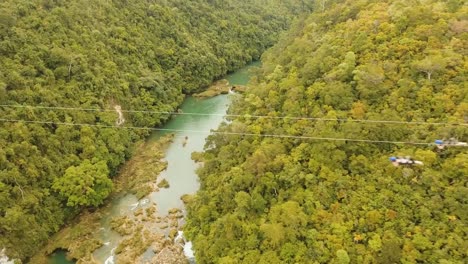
point(136, 55)
point(293, 200)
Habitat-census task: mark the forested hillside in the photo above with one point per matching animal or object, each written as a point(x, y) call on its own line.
point(136, 55)
point(292, 200)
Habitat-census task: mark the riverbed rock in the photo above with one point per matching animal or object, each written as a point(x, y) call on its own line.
point(151, 210)
point(186, 198)
point(167, 242)
point(163, 184)
point(197, 156)
point(240, 88)
point(139, 212)
point(122, 225)
point(173, 233)
point(174, 211)
point(174, 223)
point(217, 88)
point(170, 255)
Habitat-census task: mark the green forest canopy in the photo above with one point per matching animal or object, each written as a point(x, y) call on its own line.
point(100, 54)
point(270, 200)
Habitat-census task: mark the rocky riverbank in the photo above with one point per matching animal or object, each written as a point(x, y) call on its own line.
point(137, 176)
point(221, 87)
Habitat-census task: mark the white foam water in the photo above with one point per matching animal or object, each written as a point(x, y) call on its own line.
point(134, 206)
point(4, 259)
point(111, 258)
point(144, 201)
point(180, 235)
point(187, 245)
point(188, 251)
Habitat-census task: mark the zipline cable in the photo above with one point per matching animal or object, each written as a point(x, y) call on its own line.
point(239, 115)
point(218, 132)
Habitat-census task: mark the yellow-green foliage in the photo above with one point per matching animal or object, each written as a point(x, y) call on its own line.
point(163, 184)
point(267, 200)
point(140, 55)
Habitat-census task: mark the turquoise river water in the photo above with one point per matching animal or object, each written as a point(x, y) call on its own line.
point(180, 172)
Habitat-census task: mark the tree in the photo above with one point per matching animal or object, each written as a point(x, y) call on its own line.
point(243, 202)
point(269, 257)
point(274, 233)
point(342, 257)
point(85, 185)
point(431, 65)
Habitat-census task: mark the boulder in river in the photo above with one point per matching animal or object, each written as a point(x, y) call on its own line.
point(170, 255)
point(217, 88)
point(240, 88)
point(163, 184)
point(186, 198)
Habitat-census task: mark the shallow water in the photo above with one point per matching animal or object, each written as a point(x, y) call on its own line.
point(59, 257)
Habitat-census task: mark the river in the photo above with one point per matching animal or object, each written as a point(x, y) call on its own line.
point(180, 172)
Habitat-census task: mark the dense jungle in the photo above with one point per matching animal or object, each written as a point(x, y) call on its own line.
point(299, 172)
point(57, 55)
point(321, 195)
